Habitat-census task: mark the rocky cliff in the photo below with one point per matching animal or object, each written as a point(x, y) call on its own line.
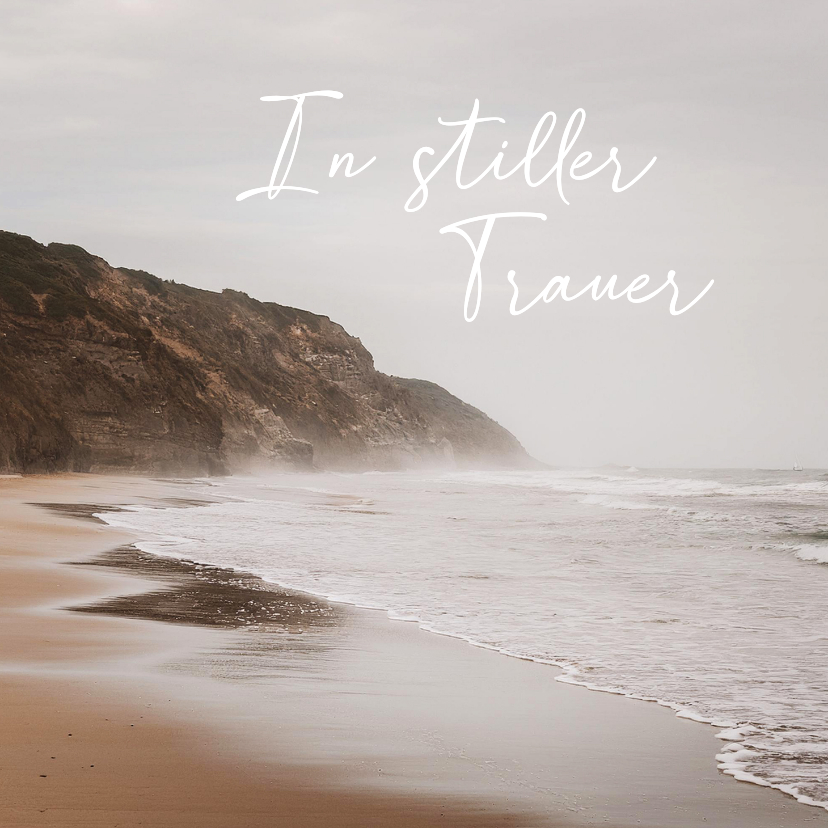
point(111, 369)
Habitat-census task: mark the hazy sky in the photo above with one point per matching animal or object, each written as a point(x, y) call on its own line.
point(129, 127)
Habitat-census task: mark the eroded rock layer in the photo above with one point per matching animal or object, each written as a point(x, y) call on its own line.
point(111, 369)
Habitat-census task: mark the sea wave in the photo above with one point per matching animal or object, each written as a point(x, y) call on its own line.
point(526, 565)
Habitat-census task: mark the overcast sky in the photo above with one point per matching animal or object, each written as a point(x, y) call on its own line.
point(129, 128)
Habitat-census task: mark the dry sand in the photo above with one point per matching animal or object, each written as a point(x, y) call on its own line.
point(296, 712)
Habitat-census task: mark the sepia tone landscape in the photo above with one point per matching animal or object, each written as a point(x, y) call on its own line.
point(106, 369)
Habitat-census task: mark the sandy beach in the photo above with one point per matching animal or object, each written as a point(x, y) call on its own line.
point(190, 696)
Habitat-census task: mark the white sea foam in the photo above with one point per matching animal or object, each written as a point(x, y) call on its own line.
point(679, 588)
point(813, 552)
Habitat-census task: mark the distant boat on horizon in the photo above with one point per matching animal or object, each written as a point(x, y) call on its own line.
point(797, 467)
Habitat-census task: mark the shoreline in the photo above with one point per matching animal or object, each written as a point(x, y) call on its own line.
point(135, 742)
point(727, 755)
point(567, 673)
point(354, 670)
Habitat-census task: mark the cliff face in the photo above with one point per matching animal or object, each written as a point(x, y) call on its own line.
point(111, 369)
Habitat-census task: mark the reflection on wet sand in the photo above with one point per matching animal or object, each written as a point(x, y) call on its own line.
point(210, 596)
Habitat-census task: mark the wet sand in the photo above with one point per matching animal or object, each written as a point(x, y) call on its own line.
point(137, 690)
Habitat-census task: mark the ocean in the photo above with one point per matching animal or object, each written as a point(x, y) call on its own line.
point(702, 590)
